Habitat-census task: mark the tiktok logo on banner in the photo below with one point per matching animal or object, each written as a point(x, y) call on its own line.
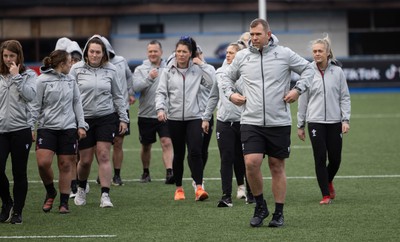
point(314, 133)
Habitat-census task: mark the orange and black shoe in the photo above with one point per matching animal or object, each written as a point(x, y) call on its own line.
point(201, 195)
point(179, 194)
point(48, 202)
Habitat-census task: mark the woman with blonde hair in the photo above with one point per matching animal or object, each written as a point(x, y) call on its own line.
point(325, 107)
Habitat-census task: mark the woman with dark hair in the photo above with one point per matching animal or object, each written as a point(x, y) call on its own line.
point(178, 100)
point(58, 111)
point(17, 89)
point(104, 110)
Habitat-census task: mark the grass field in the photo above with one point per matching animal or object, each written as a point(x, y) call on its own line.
point(366, 207)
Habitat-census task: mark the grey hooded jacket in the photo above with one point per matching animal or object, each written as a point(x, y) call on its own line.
point(15, 94)
point(101, 92)
point(57, 105)
point(266, 77)
point(227, 111)
point(180, 93)
point(328, 98)
point(124, 72)
point(147, 87)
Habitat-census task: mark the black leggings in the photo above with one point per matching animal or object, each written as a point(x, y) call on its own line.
point(187, 133)
point(230, 149)
point(18, 143)
point(326, 140)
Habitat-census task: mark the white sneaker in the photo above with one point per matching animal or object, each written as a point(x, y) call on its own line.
point(105, 201)
point(195, 187)
point(87, 189)
point(241, 192)
point(80, 198)
point(72, 195)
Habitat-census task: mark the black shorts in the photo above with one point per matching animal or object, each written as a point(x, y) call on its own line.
point(100, 129)
point(149, 127)
point(128, 125)
point(272, 141)
point(62, 142)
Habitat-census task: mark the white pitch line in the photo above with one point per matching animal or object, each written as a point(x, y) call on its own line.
point(59, 236)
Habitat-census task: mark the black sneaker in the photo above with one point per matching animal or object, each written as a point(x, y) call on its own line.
point(170, 179)
point(16, 218)
point(6, 213)
point(260, 213)
point(145, 178)
point(277, 220)
point(250, 198)
point(117, 181)
point(225, 202)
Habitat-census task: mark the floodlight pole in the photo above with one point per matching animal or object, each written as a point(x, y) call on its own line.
point(262, 9)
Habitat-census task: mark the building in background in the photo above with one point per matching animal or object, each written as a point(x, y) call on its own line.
point(364, 32)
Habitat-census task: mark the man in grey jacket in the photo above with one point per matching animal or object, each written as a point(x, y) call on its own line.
point(265, 69)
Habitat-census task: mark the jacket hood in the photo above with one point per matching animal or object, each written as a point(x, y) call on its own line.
point(108, 45)
point(68, 45)
point(273, 41)
point(101, 38)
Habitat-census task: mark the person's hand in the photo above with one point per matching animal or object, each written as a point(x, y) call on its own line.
point(198, 61)
point(123, 127)
point(33, 136)
point(291, 96)
point(132, 100)
point(205, 125)
point(153, 74)
point(345, 127)
point(237, 99)
point(81, 133)
point(301, 133)
point(162, 116)
point(14, 69)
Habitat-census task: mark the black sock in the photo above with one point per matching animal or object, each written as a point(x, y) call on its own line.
point(146, 170)
point(117, 172)
point(259, 199)
point(105, 190)
point(82, 184)
point(50, 189)
point(64, 198)
point(278, 208)
point(169, 171)
point(74, 186)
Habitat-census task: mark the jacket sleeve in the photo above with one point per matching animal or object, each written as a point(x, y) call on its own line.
point(118, 98)
point(302, 109)
point(208, 75)
point(229, 77)
point(141, 80)
point(26, 85)
point(345, 103)
point(129, 79)
point(36, 104)
point(78, 110)
point(212, 102)
point(302, 67)
point(162, 91)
